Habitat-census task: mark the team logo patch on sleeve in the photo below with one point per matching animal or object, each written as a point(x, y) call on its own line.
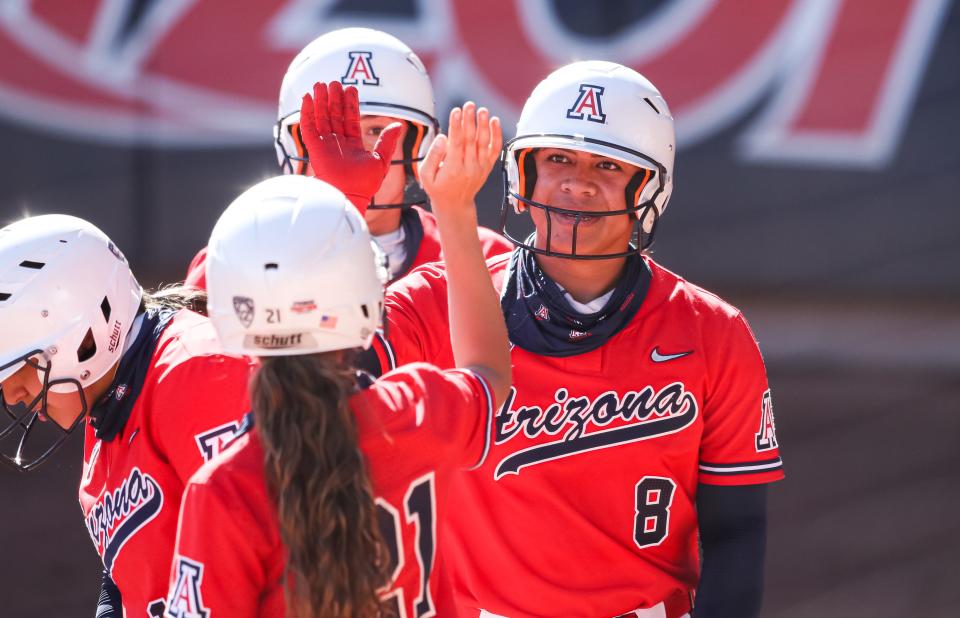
point(211, 443)
point(767, 434)
point(185, 600)
point(589, 105)
point(360, 70)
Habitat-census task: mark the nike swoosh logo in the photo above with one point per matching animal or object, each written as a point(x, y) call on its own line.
point(657, 357)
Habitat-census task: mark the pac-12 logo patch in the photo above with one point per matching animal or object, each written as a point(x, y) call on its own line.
point(767, 434)
point(589, 104)
point(360, 70)
point(244, 309)
point(214, 441)
point(185, 600)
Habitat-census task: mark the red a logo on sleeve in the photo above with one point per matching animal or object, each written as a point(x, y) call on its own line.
point(185, 600)
point(767, 434)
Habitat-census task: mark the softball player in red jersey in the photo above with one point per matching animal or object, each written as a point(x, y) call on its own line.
point(82, 345)
point(295, 519)
point(393, 86)
point(640, 419)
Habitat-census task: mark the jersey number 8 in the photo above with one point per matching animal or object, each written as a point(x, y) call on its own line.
point(652, 518)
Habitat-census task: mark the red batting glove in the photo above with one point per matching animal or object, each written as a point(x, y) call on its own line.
point(330, 126)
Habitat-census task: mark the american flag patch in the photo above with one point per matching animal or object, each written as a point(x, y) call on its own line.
point(328, 321)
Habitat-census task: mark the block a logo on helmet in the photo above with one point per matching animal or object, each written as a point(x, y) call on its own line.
point(360, 70)
point(589, 105)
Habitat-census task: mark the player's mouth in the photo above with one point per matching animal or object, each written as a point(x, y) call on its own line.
point(571, 220)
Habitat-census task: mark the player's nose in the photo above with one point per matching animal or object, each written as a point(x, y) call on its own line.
point(578, 184)
point(14, 391)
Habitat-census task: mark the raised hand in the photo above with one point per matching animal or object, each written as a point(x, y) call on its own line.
point(330, 126)
point(457, 164)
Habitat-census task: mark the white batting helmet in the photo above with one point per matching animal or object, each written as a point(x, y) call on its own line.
point(390, 80)
point(67, 302)
point(601, 108)
point(292, 269)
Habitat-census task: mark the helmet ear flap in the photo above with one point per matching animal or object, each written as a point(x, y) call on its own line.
point(526, 167)
point(410, 149)
point(634, 189)
point(291, 151)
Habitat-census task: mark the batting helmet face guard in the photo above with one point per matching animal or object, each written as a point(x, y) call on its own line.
point(292, 269)
point(67, 302)
point(600, 108)
point(391, 81)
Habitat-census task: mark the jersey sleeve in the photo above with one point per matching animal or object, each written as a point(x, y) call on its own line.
point(455, 405)
point(197, 271)
point(417, 327)
point(493, 244)
point(216, 569)
point(739, 444)
point(198, 408)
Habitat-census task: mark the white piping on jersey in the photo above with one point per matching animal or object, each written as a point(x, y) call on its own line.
point(744, 468)
point(488, 430)
point(391, 356)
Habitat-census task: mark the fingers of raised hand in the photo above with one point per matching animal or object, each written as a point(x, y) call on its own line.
point(469, 130)
point(308, 123)
point(455, 135)
point(336, 108)
point(320, 104)
point(483, 132)
point(351, 113)
point(495, 144)
point(387, 143)
point(430, 166)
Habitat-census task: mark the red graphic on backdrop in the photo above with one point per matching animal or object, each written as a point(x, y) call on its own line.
point(185, 72)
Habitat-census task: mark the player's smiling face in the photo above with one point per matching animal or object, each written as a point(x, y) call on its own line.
point(23, 387)
point(585, 182)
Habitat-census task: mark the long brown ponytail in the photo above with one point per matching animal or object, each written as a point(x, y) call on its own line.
point(336, 560)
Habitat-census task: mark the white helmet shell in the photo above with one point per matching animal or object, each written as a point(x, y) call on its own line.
point(602, 108)
point(390, 79)
point(62, 281)
point(292, 269)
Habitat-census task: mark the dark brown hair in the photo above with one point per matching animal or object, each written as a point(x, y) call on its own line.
point(336, 560)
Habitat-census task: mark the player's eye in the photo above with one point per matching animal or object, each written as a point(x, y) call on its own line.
point(375, 131)
point(558, 158)
point(609, 165)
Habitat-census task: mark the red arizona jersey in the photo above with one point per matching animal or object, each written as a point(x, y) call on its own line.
point(586, 504)
point(417, 426)
point(493, 244)
point(190, 404)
